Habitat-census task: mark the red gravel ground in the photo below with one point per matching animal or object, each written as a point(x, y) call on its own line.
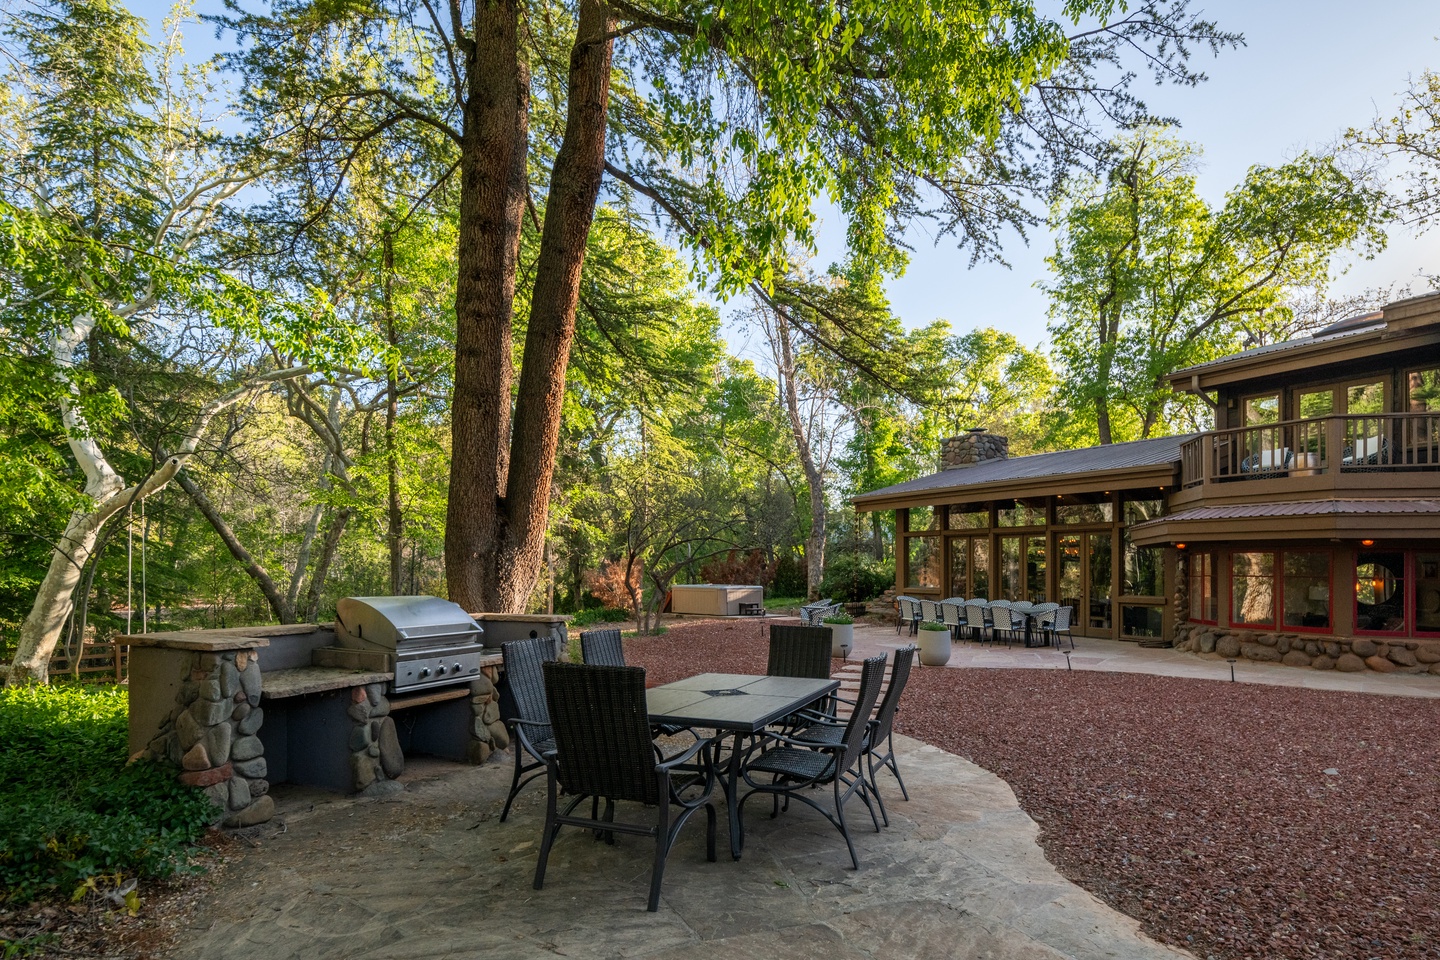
point(1201, 808)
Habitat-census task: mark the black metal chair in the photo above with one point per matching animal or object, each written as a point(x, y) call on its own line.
point(879, 737)
point(879, 742)
point(530, 731)
point(797, 651)
point(603, 749)
point(794, 765)
point(602, 648)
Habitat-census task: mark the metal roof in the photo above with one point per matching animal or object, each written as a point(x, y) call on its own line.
point(1304, 508)
point(1310, 340)
point(982, 480)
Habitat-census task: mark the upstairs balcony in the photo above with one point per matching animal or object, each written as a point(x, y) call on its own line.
point(1366, 455)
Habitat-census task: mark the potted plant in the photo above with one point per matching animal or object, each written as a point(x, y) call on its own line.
point(842, 634)
point(934, 643)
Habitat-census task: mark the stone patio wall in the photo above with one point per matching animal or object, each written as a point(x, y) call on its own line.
point(1346, 654)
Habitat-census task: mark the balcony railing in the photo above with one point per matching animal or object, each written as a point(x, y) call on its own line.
point(1383, 442)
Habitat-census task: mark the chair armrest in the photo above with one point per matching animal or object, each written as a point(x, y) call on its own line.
point(670, 763)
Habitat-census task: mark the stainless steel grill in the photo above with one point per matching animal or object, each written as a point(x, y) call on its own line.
point(431, 642)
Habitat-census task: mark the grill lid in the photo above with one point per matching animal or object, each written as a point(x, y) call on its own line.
point(389, 622)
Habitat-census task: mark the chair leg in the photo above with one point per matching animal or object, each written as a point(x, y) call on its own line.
point(875, 786)
point(844, 830)
point(551, 829)
point(662, 852)
point(515, 781)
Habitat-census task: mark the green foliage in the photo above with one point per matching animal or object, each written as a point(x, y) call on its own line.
point(839, 619)
point(933, 627)
point(71, 807)
point(594, 615)
point(855, 578)
point(1149, 278)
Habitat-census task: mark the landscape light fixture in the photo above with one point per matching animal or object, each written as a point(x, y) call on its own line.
point(1068, 666)
point(1232, 670)
point(1367, 543)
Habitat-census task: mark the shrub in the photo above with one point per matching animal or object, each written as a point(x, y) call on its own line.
point(853, 578)
point(736, 567)
point(610, 586)
point(599, 615)
point(840, 618)
point(789, 578)
point(70, 806)
point(930, 625)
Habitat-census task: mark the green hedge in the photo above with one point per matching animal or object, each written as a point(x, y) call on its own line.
point(71, 807)
point(599, 615)
point(854, 578)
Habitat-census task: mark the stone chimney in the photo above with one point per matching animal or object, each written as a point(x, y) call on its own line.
point(971, 447)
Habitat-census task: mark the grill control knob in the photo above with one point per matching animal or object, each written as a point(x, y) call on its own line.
point(456, 668)
point(440, 670)
point(424, 671)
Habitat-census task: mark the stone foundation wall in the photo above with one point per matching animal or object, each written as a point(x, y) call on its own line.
point(1347, 654)
point(488, 732)
point(211, 735)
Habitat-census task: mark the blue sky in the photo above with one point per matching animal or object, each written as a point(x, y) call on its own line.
point(1308, 71)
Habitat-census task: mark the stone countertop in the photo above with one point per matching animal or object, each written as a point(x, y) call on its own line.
point(299, 681)
point(214, 641)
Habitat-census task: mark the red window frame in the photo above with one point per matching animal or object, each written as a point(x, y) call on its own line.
point(1413, 580)
point(1407, 604)
point(1274, 592)
point(1280, 594)
point(1207, 575)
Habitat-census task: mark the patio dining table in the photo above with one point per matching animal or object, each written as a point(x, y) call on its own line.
point(733, 704)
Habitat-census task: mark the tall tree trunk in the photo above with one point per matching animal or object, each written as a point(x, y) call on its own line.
point(55, 597)
point(569, 212)
point(322, 563)
point(394, 520)
point(493, 193)
point(814, 476)
point(280, 606)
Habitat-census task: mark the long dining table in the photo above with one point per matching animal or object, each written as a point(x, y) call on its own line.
point(734, 704)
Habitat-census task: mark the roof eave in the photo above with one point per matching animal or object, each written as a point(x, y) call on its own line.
point(1161, 475)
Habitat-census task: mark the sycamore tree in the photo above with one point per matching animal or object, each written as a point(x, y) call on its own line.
point(1148, 277)
point(109, 196)
point(730, 118)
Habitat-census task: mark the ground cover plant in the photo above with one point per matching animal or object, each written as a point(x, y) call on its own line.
point(72, 810)
point(1232, 819)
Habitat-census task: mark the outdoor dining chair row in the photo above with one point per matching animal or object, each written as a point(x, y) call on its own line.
point(981, 619)
point(588, 726)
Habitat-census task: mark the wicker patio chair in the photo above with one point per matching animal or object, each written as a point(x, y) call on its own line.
point(1060, 624)
point(797, 651)
point(879, 737)
point(794, 766)
point(602, 648)
point(603, 749)
point(953, 616)
point(530, 732)
point(1005, 621)
point(908, 609)
point(977, 618)
point(879, 743)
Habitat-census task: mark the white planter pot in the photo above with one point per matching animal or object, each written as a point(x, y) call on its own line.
point(934, 647)
point(842, 639)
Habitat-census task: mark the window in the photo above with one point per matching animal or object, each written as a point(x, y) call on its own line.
point(1068, 512)
point(1035, 569)
point(1427, 592)
point(1141, 621)
point(1305, 589)
point(1262, 410)
point(923, 518)
point(1365, 398)
point(961, 519)
point(1138, 511)
point(922, 562)
point(1380, 592)
point(1424, 389)
point(1315, 403)
point(980, 567)
point(1021, 513)
point(1012, 584)
point(1252, 589)
point(1203, 607)
point(1144, 571)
